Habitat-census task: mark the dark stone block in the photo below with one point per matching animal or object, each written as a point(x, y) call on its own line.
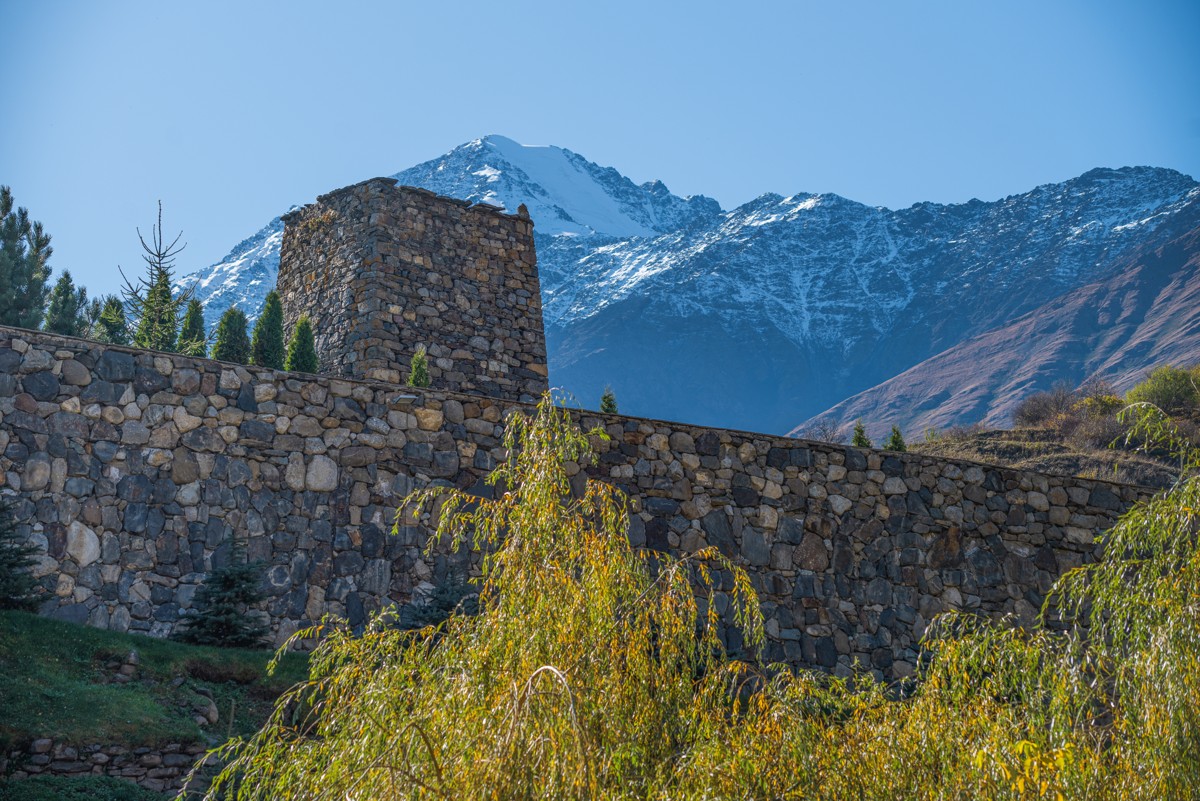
point(708, 444)
point(72, 613)
point(348, 563)
point(657, 535)
point(116, 366)
point(148, 381)
point(754, 547)
point(1103, 498)
point(135, 489)
point(855, 459)
point(43, 385)
point(245, 399)
point(744, 496)
point(256, 432)
point(104, 392)
point(718, 532)
point(105, 451)
point(664, 507)
point(825, 652)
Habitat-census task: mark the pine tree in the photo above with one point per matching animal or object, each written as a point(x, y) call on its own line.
point(419, 369)
point(232, 343)
point(110, 325)
point(267, 350)
point(608, 401)
point(302, 351)
point(895, 441)
point(67, 313)
point(860, 438)
point(219, 616)
point(24, 251)
point(151, 302)
point(16, 558)
point(193, 341)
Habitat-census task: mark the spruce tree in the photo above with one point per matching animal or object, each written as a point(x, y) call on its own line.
point(67, 313)
point(895, 441)
point(266, 349)
point(219, 616)
point(24, 251)
point(302, 351)
point(110, 326)
point(860, 438)
point(418, 375)
point(608, 401)
point(193, 341)
point(155, 309)
point(232, 343)
point(16, 558)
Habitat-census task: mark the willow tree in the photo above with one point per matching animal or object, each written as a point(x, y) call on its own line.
point(586, 669)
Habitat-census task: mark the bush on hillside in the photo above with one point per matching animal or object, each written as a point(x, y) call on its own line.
point(1171, 389)
point(1043, 408)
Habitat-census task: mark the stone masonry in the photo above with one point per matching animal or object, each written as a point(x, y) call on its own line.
point(134, 471)
point(382, 269)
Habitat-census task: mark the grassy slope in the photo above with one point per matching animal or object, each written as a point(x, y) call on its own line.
point(56, 681)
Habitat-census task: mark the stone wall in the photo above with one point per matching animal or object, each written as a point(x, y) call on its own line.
point(158, 769)
point(382, 269)
point(137, 468)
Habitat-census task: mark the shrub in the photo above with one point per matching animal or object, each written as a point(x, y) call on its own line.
point(418, 374)
point(267, 349)
point(1169, 388)
point(895, 441)
point(302, 350)
point(221, 606)
point(233, 345)
point(860, 439)
point(193, 340)
point(1043, 408)
point(17, 586)
point(608, 401)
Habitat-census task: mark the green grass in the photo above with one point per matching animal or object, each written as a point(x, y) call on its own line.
point(80, 788)
point(56, 681)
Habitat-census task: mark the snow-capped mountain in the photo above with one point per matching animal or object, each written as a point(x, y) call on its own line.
point(767, 314)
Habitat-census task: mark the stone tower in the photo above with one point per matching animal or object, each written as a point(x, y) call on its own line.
point(382, 269)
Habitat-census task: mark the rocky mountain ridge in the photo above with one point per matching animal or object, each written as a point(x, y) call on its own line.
point(767, 315)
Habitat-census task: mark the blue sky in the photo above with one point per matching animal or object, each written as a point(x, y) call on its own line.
point(231, 111)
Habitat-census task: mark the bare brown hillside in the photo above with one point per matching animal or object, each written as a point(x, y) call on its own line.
point(1147, 313)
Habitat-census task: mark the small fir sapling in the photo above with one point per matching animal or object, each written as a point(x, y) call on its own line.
point(895, 441)
point(110, 325)
point(222, 602)
point(233, 345)
point(67, 313)
point(193, 341)
point(418, 375)
point(302, 350)
point(608, 401)
point(267, 349)
point(860, 438)
point(17, 554)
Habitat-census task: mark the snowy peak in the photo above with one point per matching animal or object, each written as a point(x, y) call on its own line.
point(564, 192)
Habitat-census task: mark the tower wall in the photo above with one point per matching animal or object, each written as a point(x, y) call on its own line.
point(382, 269)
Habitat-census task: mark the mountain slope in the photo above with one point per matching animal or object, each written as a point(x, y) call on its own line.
point(769, 313)
point(1144, 315)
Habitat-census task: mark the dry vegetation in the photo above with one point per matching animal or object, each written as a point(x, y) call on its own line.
point(1080, 432)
